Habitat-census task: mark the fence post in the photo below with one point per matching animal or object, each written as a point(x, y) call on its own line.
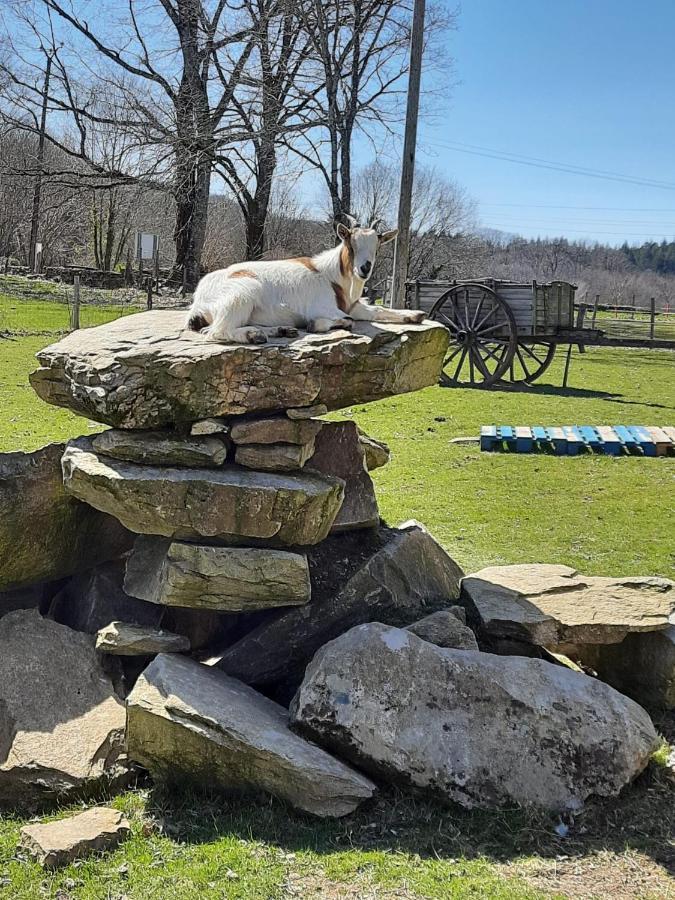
point(595, 310)
point(149, 284)
point(75, 309)
point(652, 317)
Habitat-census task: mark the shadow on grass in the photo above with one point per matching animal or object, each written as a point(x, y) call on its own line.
point(641, 819)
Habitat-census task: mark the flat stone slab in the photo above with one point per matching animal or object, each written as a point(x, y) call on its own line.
point(45, 533)
point(146, 370)
point(186, 721)
point(275, 430)
point(477, 728)
point(55, 844)
point(230, 503)
point(161, 448)
point(61, 723)
point(274, 457)
point(126, 639)
point(227, 579)
point(552, 604)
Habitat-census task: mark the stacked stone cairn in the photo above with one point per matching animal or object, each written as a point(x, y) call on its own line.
point(207, 590)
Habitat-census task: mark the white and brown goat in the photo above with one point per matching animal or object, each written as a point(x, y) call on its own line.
point(317, 294)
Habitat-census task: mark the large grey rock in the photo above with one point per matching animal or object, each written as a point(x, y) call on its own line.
point(186, 721)
point(396, 575)
point(274, 457)
point(479, 729)
point(55, 844)
point(230, 503)
point(162, 448)
point(145, 371)
point(376, 453)
point(275, 430)
point(642, 666)
point(46, 534)
point(444, 629)
point(230, 579)
point(61, 724)
point(552, 605)
point(125, 639)
point(338, 451)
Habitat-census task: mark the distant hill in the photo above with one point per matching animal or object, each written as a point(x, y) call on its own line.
point(652, 257)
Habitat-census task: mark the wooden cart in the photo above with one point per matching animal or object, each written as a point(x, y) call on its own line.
point(501, 331)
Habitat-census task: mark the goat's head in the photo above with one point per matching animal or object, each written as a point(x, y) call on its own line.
point(360, 246)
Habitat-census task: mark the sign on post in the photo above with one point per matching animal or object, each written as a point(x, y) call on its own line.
point(38, 258)
point(147, 245)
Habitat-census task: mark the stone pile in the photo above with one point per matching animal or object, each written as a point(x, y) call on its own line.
point(267, 631)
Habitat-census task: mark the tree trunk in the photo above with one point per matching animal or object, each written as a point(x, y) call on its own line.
point(191, 190)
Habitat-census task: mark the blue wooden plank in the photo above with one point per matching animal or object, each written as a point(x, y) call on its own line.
point(507, 436)
point(644, 439)
point(629, 440)
point(540, 437)
point(574, 439)
point(488, 437)
point(589, 436)
point(524, 442)
point(611, 443)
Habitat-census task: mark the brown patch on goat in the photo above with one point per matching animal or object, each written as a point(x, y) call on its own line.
point(346, 259)
point(305, 261)
point(197, 322)
point(340, 297)
point(243, 273)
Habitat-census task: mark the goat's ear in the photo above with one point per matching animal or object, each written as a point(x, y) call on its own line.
point(343, 232)
point(388, 236)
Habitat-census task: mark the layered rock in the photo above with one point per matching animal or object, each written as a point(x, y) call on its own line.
point(276, 430)
point(376, 453)
point(338, 451)
point(228, 579)
point(229, 503)
point(162, 448)
point(395, 576)
point(55, 844)
point(146, 370)
point(45, 533)
point(475, 728)
point(274, 457)
point(62, 726)
point(554, 605)
point(185, 721)
point(125, 639)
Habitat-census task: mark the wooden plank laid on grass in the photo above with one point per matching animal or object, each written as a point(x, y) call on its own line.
point(661, 440)
point(488, 437)
point(524, 441)
point(611, 442)
point(644, 439)
point(559, 440)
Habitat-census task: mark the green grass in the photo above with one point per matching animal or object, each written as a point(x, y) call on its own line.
point(600, 514)
point(18, 316)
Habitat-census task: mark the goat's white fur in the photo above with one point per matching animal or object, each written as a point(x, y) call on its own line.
point(238, 302)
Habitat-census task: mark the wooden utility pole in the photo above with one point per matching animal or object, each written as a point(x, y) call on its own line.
point(37, 191)
point(402, 250)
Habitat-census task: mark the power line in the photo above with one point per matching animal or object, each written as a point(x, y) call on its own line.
point(537, 163)
point(510, 227)
point(604, 208)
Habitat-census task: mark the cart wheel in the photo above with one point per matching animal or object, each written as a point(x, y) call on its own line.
point(483, 335)
point(529, 361)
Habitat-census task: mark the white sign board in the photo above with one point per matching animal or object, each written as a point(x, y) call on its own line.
point(147, 245)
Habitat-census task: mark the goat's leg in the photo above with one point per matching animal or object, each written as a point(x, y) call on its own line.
point(323, 324)
point(231, 321)
point(363, 312)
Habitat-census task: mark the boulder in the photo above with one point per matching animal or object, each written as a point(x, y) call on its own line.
point(186, 721)
point(162, 448)
point(146, 370)
point(88, 602)
point(46, 534)
point(230, 579)
point(554, 605)
point(275, 430)
point(214, 425)
point(444, 629)
point(62, 726)
point(395, 575)
point(125, 639)
point(274, 457)
point(642, 666)
point(230, 503)
point(307, 412)
point(376, 453)
point(55, 844)
point(479, 729)
point(338, 451)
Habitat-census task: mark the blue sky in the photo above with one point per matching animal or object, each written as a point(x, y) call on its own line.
point(589, 84)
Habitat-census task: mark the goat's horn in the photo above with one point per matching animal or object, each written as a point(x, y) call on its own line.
point(376, 223)
point(351, 221)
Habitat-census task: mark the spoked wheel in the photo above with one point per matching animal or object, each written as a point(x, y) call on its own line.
point(483, 335)
point(529, 362)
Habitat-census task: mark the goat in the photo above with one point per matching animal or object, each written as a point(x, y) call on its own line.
point(318, 293)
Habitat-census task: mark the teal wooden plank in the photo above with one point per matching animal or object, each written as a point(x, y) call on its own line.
point(507, 435)
point(589, 436)
point(644, 439)
point(626, 437)
point(557, 437)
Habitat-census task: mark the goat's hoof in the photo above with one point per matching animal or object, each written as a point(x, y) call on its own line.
point(414, 318)
point(345, 324)
point(254, 336)
point(287, 331)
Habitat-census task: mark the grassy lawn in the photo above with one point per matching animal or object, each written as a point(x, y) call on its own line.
point(603, 515)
